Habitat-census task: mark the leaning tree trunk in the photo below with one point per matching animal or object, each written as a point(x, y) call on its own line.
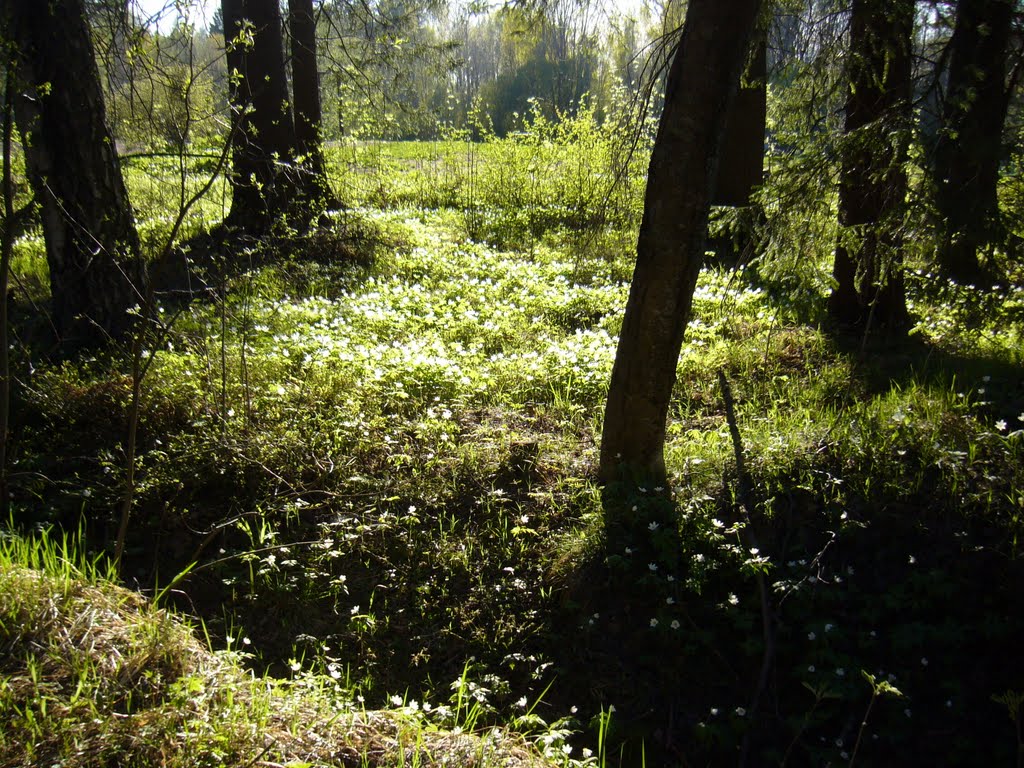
point(702, 81)
point(262, 181)
point(967, 151)
point(868, 270)
point(92, 246)
point(308, 110)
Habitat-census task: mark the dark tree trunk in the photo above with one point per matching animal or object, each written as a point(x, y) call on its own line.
point(7, 236)
point(702, 81)
point(262, 180)
point(868, 269)
point(92, 247)
point(968, 148)
point(741, 167)
point(308, 110)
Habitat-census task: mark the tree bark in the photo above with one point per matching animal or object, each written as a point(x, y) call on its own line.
point(308, 109)
point(262, 181)
point(92, 247)
point(7, 235)
point(702, 81)
point(968, 148)
point(868, 269)
point(741, 168)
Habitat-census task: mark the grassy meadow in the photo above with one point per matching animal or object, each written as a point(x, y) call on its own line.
point(366, 478)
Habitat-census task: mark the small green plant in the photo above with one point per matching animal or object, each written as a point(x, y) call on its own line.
point(878, 688)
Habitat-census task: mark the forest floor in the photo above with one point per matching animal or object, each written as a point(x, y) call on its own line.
point(379, 471)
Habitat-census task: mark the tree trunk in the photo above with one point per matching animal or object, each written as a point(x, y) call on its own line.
point(968, 148)
point(7, 235)
point(702, 81)
point(262, 179)
point(868, 268)
point(741, 168)
point(92, 247)
point(308, 110)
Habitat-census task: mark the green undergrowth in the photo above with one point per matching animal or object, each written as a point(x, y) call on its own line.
point(382, 470)
point(575, 172)
point(94, 674)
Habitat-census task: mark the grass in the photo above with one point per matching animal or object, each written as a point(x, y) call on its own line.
point(383, 467)
point(94, 673)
